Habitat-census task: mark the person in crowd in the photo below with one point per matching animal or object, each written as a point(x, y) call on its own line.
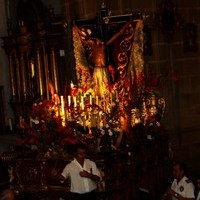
point(181, 188)
point(83, 174)
point(198, 188)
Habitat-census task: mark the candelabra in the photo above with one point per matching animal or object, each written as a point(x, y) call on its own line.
point(89, 110)
point(151, 109)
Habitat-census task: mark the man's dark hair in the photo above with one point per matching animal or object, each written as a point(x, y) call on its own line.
point(80, 146)
point(182, 166)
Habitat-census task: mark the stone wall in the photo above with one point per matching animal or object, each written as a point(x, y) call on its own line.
point(182, 116)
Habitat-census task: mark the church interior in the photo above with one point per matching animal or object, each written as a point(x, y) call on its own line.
point(119, 76)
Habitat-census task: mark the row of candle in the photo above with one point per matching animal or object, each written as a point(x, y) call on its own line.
point(69, 100)
point(82, 101)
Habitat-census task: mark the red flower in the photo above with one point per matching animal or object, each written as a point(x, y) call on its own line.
point(84, 89)
point(21, 141)
point(31, 141)
point(68, 140)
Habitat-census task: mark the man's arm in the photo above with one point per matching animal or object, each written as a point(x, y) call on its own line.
point(172, 193)
point(55, 173)
point(90, 176)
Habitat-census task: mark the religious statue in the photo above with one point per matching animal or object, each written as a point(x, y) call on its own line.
point(95, 53)
point(100, 73)
point(93, 71)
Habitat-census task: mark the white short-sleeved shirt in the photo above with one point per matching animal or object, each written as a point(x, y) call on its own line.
point(198, 196)
point(184, 187)
point(81, 184)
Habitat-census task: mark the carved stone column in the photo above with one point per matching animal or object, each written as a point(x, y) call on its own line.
point(9, 45)
point(40, 80)
point(46, 72)
point(23, 41)
point(17, 69)
point(12, 81)
point(41, 61)
point(54, 70)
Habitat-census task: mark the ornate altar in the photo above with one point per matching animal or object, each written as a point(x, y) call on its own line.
point(42, 50)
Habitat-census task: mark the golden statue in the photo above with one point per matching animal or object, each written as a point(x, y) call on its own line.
point(100, 74)
point(94, 50)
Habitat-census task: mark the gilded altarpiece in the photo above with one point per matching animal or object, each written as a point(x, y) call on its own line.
point(36, 54)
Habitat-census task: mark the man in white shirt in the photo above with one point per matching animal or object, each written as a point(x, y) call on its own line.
point(83, 174)
point(182, 188)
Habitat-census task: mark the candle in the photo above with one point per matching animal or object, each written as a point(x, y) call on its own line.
point(153, 100)
point(10, 124)
point(62, 110)
point(74, 101)
point(82, 102)
point(32, 69)
point(97, 100)
point(55, 99)
point(71, 85)
point(62, 105)
point(90, 99)
point(117, 95)
point(69, 100)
